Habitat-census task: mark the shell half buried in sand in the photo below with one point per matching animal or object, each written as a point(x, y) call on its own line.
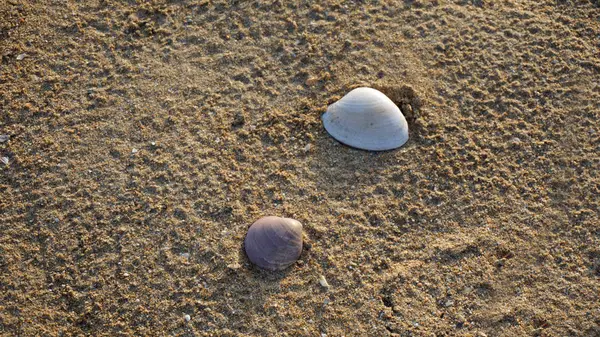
point(366, 119)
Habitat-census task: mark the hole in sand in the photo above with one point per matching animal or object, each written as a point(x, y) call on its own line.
point(407, 99)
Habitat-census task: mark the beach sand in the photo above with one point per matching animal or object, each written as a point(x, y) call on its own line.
point(146, 137)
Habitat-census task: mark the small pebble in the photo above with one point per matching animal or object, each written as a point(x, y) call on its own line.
point(307, 148)
point(312, 81)
point(4, 160)
point(234, 266)
point(153, 143)
point(323, 282)
point(4, 138)
point(185, 255)
point(134, 151)
point(21, 56)
point(187, 318)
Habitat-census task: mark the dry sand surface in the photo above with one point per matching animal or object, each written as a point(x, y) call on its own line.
point(146, 136)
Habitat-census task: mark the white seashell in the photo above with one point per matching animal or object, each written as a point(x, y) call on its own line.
point(366, 119)
point(323, 281)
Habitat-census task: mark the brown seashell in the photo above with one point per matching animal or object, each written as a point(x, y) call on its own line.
point(274, 243)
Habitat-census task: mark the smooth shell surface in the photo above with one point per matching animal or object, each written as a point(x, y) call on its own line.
point(274, 243)
point(366, 119)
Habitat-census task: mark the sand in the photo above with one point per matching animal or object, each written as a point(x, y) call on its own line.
point(146, 136)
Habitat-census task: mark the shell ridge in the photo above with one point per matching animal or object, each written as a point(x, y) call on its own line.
point(291, 228)
point(261, 259)
point(269, 234)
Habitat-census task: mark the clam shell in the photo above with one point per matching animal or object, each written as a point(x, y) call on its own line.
point(274, 243)
point(366, 119)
